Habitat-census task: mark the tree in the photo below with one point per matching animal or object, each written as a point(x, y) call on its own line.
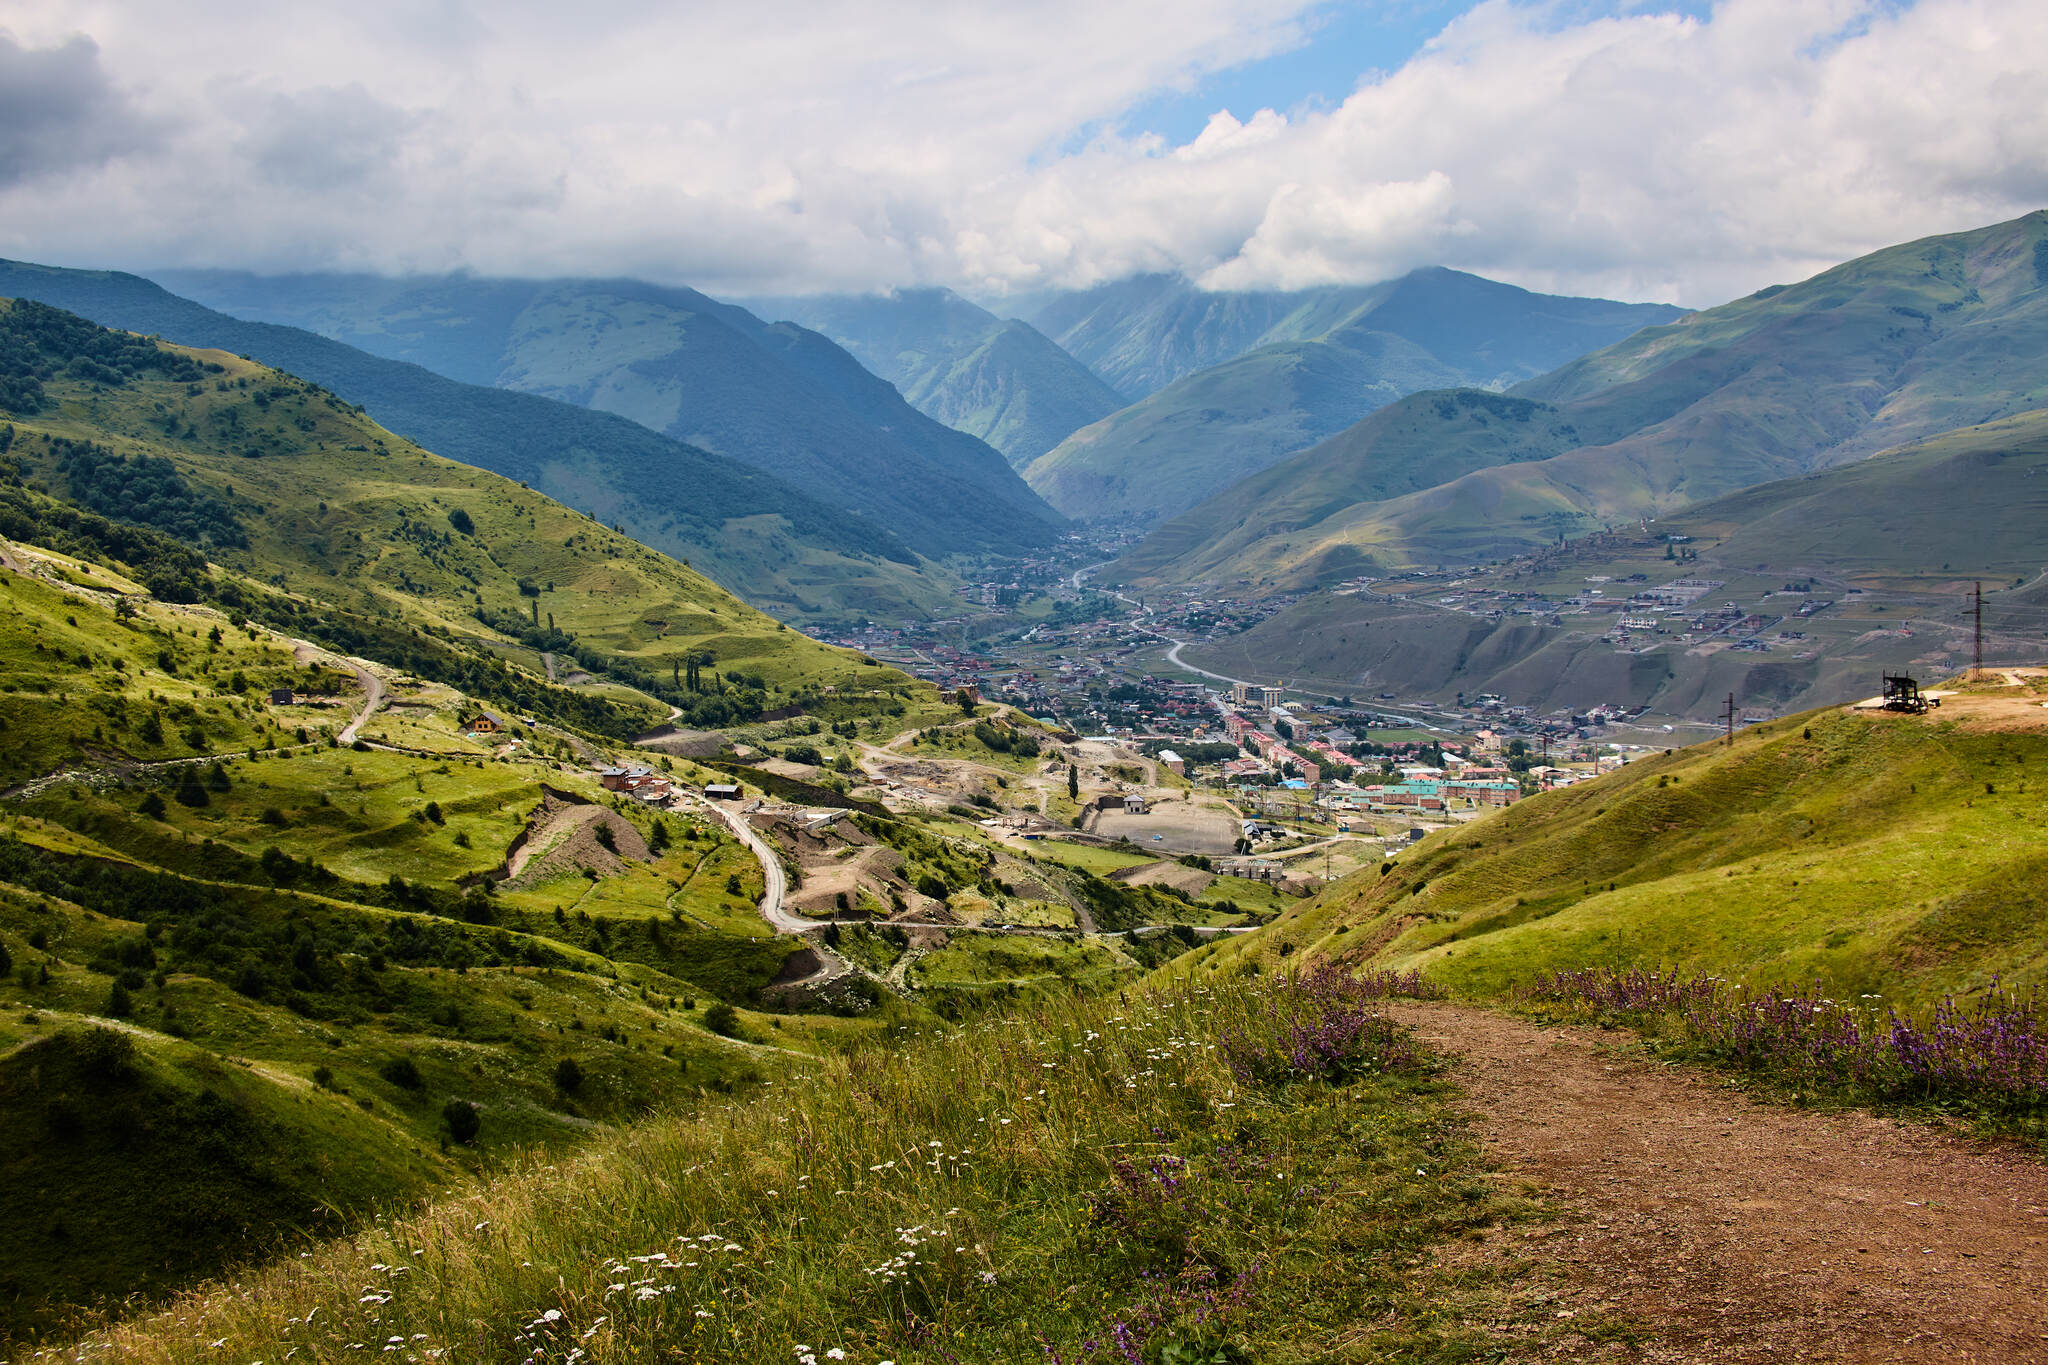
point(151, 731)
point(568, 1076)
point(459, 519)
point(152, 807)
point(191, 791)
point(464, 1119)
point(723, 1020)
point(217, 779)
point(118, 1005)
point(1073, 782)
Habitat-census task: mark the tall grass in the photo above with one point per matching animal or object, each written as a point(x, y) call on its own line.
point(1989, 1052)
point(1167, 1176)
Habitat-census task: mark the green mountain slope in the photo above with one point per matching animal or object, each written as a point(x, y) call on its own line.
point(1889, 548)
point(246, 967)
point(1868, 853)
point(1000, 380)
point(771, 395)
point(1325, 359)
point(1895, 346)
point(789, 552)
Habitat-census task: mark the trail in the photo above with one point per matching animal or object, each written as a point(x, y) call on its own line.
point(1749, 1232)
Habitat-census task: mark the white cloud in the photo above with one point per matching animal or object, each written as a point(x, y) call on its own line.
point(778, 145)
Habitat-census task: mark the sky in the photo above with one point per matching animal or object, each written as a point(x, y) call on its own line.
point(1640, 149)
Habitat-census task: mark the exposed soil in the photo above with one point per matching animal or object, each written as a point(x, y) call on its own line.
point(1740, 1231)
point(561, 837)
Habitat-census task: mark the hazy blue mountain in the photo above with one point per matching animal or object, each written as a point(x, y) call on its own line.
point(779, 547)
point(773, 395)
point(999, 379)
point(1317, 362)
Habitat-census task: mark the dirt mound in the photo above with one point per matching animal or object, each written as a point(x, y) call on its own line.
point(564, 836)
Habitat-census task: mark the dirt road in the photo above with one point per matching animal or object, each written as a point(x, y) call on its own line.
point(774, 883)
point(1738, 1231)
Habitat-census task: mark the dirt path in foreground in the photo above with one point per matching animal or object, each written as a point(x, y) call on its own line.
point(1745, 1232)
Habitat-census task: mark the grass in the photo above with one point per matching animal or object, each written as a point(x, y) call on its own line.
point(1073, 1184)
point(1867, 854)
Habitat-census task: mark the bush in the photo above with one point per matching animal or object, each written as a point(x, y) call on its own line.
point(568, 1076)
point(464, 1119)
point(723, 1020)
point(404, 1073)
point(191, 791)
point(152, 807)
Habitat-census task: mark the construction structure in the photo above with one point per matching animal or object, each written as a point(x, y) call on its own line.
point(1901, 693)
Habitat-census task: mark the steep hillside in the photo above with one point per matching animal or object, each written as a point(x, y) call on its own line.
point(288, 485)
point(1000, 380)
point(771, 395)
point(1896, 346)
point(1884, 552)
point(788, 551)
point(1326, 359)
point(1869, 853)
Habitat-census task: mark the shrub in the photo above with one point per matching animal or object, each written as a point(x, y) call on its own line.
point(404, 1073)
point(152, 807)
point(568, 1076)
point(191, 791)
point(723, 1020)
point(463, 1119)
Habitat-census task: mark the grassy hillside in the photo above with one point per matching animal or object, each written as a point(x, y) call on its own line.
point(1001, 380)
point(1896, 346)
point(1326, 359)
point(308, 495)
point(1866, 853)
point(314, 953)
point(792, 553)
point(1091, 1182)
point(771, 396)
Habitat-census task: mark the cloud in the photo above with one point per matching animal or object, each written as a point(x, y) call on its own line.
point(59, 112)
point(787, 145)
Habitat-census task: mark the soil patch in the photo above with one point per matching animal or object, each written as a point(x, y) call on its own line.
point(1747, 1232)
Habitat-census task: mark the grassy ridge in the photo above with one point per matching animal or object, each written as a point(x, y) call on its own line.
point(1864, 853)
point(1105, 1181)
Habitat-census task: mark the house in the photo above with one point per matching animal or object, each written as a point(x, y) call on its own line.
point(1173, 762)
point(281, 696)
point(486, 723)
point(1134, 805)
point(722, 791)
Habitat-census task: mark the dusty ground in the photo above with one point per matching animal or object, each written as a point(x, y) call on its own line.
point(1737, 1231)
point(1184, 827)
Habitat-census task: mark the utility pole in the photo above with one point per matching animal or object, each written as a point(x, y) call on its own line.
point(1977, 671)
point(1730, 718)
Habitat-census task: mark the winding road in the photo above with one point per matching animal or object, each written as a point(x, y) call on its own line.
point(774, 882)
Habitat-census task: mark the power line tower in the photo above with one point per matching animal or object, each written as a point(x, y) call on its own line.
point(1729, 717)
point(1977, 670)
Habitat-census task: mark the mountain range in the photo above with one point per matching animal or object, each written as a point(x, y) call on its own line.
point(1000, 379)
point(1280, 372)
point(1895, 346)
point(787, 550)
point(776, 396)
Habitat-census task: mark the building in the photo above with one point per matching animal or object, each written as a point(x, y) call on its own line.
point(281, 696)
point(486, 723)
point(722, 791)
point(1269, 697)
point(1173, 762)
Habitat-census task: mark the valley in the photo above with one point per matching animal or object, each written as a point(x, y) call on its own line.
point(597, 825)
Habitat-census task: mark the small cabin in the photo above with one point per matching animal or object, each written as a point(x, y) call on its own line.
point(282, 696)
point(486, 723)
point(723, 791)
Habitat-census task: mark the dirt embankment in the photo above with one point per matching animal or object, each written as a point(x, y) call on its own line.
point(564, 835)
point(1737, 1231)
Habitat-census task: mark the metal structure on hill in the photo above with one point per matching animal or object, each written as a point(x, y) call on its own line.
point(1902, 693)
